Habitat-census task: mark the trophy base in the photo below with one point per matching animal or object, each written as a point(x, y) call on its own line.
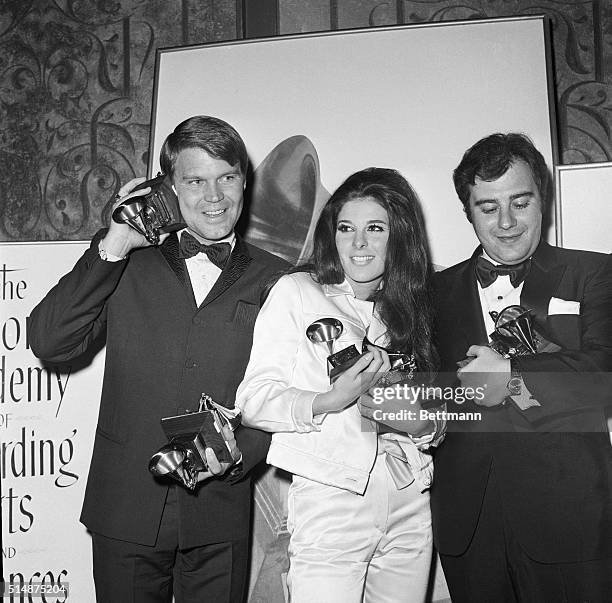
point(341, 361)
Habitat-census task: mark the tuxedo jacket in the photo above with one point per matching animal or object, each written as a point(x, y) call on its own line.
point(162, 352)
point(553, 462)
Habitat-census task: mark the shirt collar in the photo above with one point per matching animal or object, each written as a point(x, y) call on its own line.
point(486, 256)
point(343, 288)
point(375, 329)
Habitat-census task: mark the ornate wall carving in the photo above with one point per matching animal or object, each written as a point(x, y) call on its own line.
point(76, 82)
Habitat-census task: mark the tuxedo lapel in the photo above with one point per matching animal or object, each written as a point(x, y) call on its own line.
point(461, 321)
point(541, 284)
point(469, 310)
point(170, 250)
point(234, 269)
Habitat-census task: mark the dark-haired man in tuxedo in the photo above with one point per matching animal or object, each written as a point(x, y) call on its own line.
point(178, 320)
point(522, 501)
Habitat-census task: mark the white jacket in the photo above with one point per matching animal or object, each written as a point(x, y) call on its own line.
point(286, 371)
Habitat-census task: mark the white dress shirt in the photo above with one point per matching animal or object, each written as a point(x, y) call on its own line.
point(497, 296)
point(202, 272)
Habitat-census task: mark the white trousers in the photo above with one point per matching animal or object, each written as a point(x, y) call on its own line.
point(347, 548)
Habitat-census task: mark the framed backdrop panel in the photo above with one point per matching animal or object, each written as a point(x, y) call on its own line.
point(315, 108)
point(584, 207)
point(584, 212)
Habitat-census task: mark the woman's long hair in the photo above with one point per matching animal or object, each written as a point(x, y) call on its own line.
point(404, 302)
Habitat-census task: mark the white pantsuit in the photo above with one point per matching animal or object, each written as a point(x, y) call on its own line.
point(357, 533)
point(348, 548)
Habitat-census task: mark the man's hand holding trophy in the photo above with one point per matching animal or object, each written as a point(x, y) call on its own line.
point(200, 445)
point(153, 213)
point(491, 367)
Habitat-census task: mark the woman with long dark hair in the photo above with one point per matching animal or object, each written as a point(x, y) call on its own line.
point(358, 508)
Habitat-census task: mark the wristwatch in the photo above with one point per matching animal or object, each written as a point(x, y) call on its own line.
point(515, 384)
point(108, 257)
point(102, 253)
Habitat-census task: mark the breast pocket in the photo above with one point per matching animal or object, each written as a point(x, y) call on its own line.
point(244, 315)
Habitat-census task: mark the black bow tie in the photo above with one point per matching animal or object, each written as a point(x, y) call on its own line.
point(217, 252)
point(487, 273)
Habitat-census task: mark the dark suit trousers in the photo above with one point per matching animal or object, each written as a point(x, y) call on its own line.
point(133, 573)
point(495, 567)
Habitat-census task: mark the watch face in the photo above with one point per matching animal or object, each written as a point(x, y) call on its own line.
point(515, 386)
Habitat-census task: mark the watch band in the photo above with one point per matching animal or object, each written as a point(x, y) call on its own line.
point(108, 257)
point(515, 383)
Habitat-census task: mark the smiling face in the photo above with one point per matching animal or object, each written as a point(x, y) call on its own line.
point(362, 233)
point(507, 214)
point(210, 193)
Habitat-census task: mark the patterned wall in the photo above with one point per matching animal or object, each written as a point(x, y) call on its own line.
point(76, 88)
point(76, 85)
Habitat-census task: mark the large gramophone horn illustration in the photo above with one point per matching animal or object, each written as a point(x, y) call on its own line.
point(514, 334)
point(287, 198)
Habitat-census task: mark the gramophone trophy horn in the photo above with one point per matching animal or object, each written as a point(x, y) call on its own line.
point(170, 461)
point(514, 334)
point(152, 214)
point(327, 330)
point(189, 434)
point(131, 212)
